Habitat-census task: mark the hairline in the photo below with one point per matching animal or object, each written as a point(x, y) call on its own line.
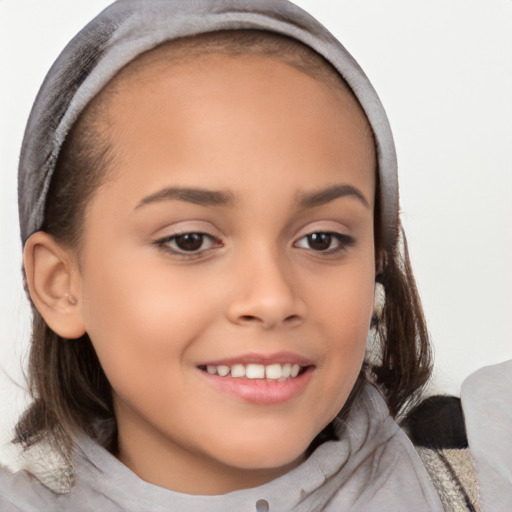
point(238, 43)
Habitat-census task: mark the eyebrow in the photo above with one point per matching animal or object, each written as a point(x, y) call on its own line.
point(200, 196)
point(205, 197)
point(328, 194)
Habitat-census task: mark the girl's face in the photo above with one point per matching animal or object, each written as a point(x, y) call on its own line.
point(235, 236)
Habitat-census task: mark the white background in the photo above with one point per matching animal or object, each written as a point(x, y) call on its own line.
point(443, 69)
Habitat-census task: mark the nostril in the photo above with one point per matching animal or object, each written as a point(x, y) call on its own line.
point(247, 318)
point(293, 319)
point(289, 320)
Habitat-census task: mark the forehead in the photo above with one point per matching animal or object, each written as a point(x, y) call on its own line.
point(211, 52)
point(226, 118)
point(239, 43)
point(247, 45)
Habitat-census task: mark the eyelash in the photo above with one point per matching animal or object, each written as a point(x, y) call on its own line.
point(165, 244)
point(343, 242)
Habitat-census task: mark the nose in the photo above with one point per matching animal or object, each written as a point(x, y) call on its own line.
point(265, 293)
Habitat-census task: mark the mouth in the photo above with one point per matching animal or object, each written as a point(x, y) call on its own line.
point(260, 380)
point(271, 372)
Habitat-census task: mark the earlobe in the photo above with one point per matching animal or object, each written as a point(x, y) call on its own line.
point(53, 283)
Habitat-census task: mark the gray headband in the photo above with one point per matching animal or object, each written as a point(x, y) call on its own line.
point(128, 28)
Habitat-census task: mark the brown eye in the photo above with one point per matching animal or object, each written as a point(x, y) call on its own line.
point(319, 241)
point(189, 241)
point(326, 242)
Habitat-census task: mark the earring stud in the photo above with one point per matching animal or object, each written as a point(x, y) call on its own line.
point(72, 300)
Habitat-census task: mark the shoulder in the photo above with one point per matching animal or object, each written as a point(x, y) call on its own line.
point(486, 402)
point(46, 483)
point(453, 474)
point(42, 481)
point(437, 428)
point(22, 493)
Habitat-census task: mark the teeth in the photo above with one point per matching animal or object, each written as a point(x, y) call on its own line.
point(222, 370)
point(256, 371)
point(238, 370)
point(273, 371)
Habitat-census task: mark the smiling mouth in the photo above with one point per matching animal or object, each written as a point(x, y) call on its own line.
point(271, 372)
point(259, 379)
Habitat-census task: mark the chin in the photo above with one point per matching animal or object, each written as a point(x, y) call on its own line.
point(274, 454)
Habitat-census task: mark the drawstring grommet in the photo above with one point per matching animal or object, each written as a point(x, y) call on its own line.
point(262, 506)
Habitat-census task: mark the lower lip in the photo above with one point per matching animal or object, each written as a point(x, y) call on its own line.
point(260, 391)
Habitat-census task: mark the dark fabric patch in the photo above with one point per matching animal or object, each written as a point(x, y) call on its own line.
point(437, 423)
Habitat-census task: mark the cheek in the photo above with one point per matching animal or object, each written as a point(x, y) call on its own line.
point(344, 309)
point(141, 318)
point(342, 299)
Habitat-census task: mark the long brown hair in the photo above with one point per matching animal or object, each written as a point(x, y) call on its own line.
point(69, 388)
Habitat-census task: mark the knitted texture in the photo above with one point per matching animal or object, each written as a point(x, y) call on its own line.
point(453, 474)
point(49, 467)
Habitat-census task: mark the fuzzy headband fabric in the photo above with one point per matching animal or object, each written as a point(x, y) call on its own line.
point(128, 28)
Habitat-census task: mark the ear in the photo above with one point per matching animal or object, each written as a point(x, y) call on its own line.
point(54, 284)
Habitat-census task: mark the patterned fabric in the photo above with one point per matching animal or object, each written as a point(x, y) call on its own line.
point(453, 473)
point(49, 467)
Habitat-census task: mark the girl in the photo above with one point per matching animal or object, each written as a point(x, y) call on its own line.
point(209, 211)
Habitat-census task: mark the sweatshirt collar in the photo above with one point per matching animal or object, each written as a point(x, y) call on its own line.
point(306, 488)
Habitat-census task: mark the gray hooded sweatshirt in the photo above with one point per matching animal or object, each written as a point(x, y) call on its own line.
point(373, 467)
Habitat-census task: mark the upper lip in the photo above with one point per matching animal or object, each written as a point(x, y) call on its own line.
point(264, 359)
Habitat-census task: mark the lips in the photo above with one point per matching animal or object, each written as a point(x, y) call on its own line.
point(260, 379)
